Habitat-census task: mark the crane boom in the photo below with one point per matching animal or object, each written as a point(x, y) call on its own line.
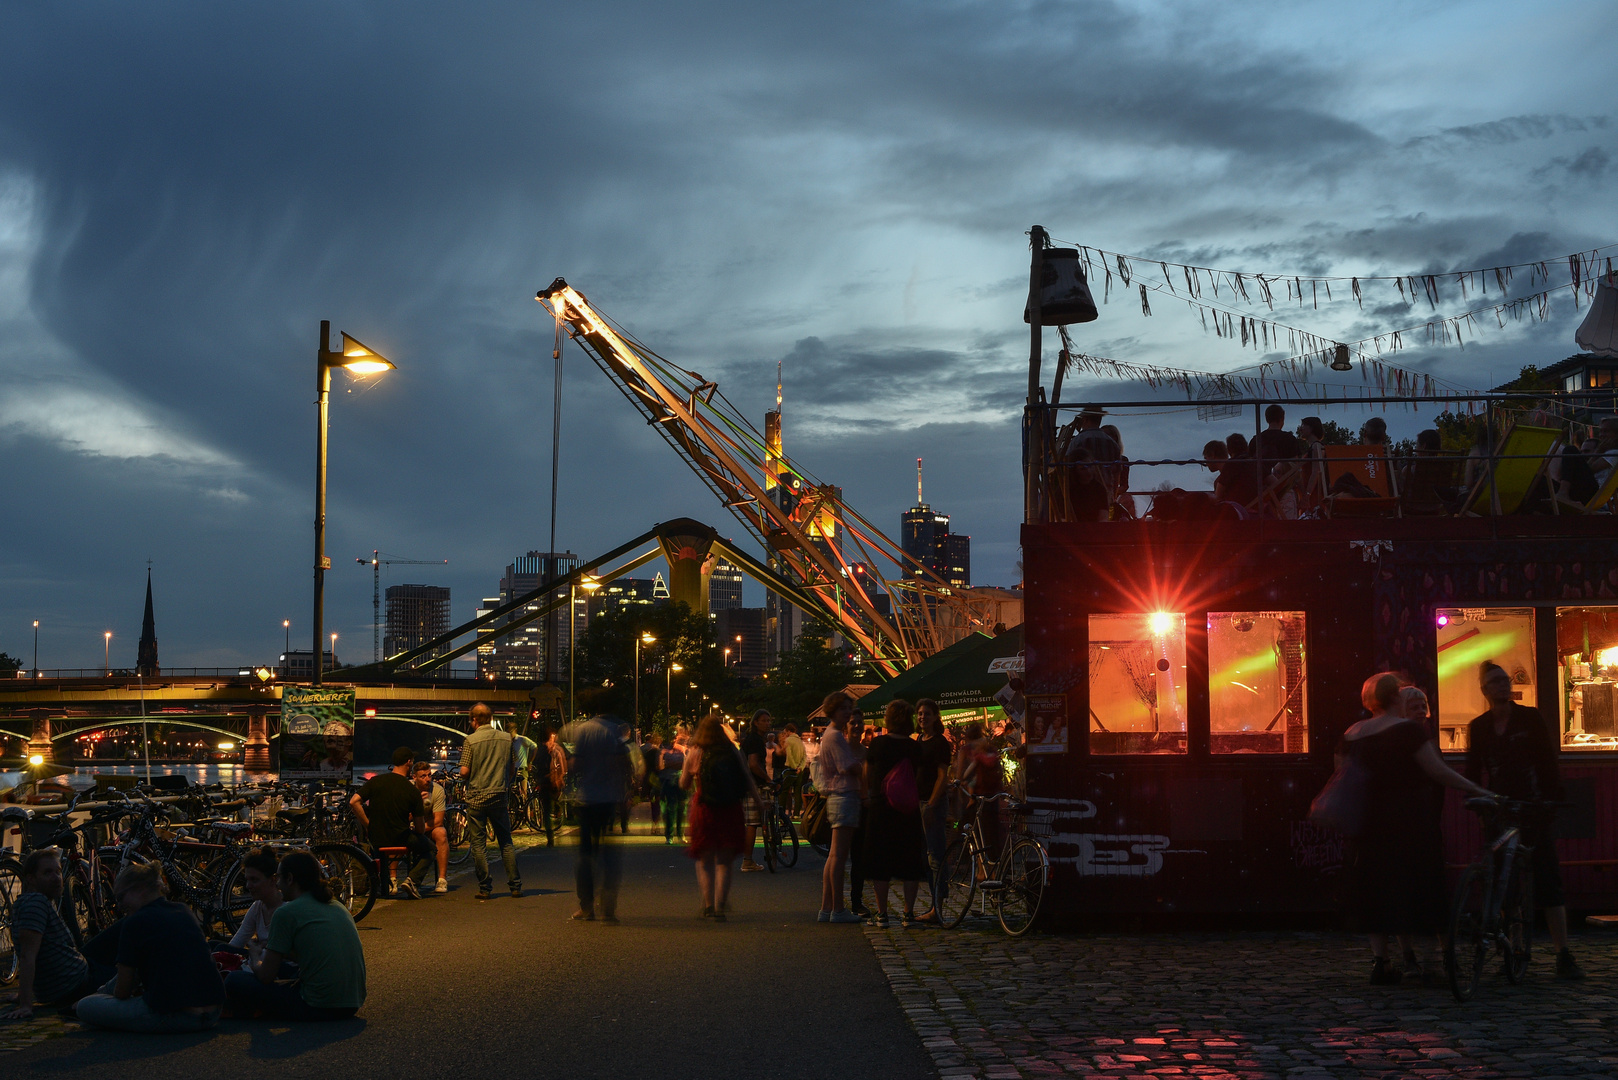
point(781, 505)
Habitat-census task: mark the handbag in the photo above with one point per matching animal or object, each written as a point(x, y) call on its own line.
point(816, 827)
point(1341, 804)
point(899, 788)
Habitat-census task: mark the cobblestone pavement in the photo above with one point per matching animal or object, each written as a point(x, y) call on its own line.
point(1216, 1005)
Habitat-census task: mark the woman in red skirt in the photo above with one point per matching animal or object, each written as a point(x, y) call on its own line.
point(714, 767)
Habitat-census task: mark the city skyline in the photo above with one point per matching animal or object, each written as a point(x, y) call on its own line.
point(845, 194)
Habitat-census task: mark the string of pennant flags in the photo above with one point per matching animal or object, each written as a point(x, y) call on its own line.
point(1307, 348)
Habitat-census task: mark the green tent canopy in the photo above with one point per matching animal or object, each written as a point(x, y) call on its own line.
point(958, 677)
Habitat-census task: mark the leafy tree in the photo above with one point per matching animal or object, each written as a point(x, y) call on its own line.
point(605, 662)
point(802, 676)
point(1335, 434)
point(1461, 431)
point(9, 663)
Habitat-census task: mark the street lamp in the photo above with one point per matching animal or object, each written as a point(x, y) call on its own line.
point(668, 688)
point(106, 640)
point(589, 584)
point(645, 638)
point(727, 655)
point(36, 648)
point(286, 625)
point(359, 360)
point(333, 652)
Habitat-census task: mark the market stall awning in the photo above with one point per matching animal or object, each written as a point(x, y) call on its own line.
point(857, 691)
point(964, 676)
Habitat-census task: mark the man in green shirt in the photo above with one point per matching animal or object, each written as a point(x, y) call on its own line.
point(488, 761)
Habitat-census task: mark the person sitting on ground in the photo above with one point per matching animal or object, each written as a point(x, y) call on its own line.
point(50, 971)
point(166, 980)
point(436, 805)
point(258, 874)
point(316, 931)
point(389, 808)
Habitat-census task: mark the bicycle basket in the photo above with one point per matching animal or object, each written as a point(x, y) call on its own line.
point(1040, 823)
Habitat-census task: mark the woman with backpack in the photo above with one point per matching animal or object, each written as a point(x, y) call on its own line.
point(895, 845)
point(713, 769)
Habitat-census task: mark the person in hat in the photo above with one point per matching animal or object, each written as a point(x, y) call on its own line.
point(391, 811)
point(1093, 482)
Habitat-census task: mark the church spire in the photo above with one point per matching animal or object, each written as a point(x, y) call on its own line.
point(146, 656)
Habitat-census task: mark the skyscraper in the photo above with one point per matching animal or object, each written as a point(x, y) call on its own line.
point(539, 648)
point(725, 587)
point(415, 615)
point(925, 537)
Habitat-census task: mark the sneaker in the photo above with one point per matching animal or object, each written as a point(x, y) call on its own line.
point(516, 892)
point(878, 921)
point(749, 866)
point(861, 910)
point(843, 916)
point(1567, 967)
point(484, 894)
point(442, 887)
point(824, 916)
point(1412, 968)
point(910, 922)
point(584, 916)
point(610, 919)
point(407, 889)
point(1383, 975)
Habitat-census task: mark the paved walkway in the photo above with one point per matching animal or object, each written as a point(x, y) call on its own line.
point(1208, 1006)
point(513, 988)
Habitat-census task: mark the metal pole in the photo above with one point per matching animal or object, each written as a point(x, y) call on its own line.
point(36, 648)
point(145, 729)
point(323, 384)
point(572, 636)
point(1033, 424)
point(637, 678)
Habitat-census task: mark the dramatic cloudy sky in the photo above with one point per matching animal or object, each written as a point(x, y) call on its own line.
point(187, 189)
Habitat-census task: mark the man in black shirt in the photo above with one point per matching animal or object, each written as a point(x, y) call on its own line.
point(167, 980)
point(754, 751)
point(390, 808)
point(1511, 746)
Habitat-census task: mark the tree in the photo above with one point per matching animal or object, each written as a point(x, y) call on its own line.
point(9, 663)
point(803, 676)
point(1461, 431)
point(605, 662)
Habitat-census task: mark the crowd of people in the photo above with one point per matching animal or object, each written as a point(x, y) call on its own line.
point(1397, 883)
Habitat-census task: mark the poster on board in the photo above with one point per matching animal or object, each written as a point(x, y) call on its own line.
point(317, 734)
point(1047, 723)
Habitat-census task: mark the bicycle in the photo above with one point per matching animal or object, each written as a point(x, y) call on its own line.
point(1493, 906)
point(780, 836)
point(1015, 877)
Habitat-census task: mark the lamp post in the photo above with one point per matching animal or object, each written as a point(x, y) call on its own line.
point(333, 651)
point(668, 688)
point(36, 648)
point(359, 360)
point(286, 625)
point(106, 639)
point(645, 638)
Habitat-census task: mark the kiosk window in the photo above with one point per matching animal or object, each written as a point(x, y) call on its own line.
point(1256, 683)
point(1137, 683)
point(1587, 677)
point(1467, 638)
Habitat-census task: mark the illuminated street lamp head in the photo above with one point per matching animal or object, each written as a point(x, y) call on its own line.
point(676, 667)
point(589, 584)
point(360, 359)
point(648, 638)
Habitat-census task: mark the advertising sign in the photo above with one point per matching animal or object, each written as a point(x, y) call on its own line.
point(1047, 723)
point(317, 734)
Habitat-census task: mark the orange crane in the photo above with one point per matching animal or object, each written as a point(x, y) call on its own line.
point(795, 517)
point(377, 563)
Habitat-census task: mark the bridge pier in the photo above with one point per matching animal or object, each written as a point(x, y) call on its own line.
point(256, 750)
point(39, 741)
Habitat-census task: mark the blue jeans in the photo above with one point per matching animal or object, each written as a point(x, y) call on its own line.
point(133, 1014)
point(598, 858)
point(935, 824)
point(493, 814)
point(245, 995)
point(673, 810)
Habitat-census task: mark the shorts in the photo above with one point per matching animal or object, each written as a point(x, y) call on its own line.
point(843, 810)
point(752, 816)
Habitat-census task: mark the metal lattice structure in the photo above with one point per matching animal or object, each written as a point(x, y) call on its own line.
point(782, 506)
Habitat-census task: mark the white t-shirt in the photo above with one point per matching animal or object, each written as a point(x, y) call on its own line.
point(255, 927)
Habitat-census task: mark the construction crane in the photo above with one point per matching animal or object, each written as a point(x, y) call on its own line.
point(377, 563)
point(792, 515)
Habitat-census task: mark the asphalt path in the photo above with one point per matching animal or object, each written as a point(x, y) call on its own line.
point(512, 987)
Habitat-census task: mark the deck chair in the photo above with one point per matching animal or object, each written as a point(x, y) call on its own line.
point(1600, 499)
point(1517, 466)
point(1268, 501)
point(1370, 466)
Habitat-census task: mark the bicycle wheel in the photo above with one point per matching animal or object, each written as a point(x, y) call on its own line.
point(788, 833)
point(234, 899)
point(960, 883)
point(1023, 876)
point(10, 889)
point(1469, 933)
point(350, 875)
point(1517, 920)
point(455, 828)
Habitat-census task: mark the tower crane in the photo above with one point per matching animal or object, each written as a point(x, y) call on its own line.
point(792, 515)
point(377, 563)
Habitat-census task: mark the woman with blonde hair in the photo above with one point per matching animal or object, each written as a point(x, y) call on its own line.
point(714, 771)
point(837, 777)
point(1397, 865)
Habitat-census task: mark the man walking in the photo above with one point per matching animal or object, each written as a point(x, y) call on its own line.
point(601, 764)
point(488, 761)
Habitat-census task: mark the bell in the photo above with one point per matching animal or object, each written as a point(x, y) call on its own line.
point(1339, 360)
point(1598, 333)
point(1064, 295)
